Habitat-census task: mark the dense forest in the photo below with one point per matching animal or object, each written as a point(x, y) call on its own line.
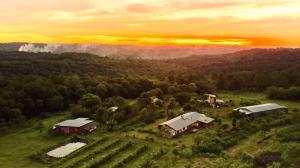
point(36, 84)
point(254, 69)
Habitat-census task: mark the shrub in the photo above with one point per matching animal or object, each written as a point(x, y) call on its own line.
point(175, 152)
point(249, 102)
point(266, 158)
point(225, 126)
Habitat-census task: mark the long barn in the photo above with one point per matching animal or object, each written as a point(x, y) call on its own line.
point(262, 109)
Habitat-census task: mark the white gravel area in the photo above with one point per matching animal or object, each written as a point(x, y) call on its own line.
point(63, 151)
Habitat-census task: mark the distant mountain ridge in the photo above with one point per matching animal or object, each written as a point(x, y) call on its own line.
point(122, 51)
point(255, 68)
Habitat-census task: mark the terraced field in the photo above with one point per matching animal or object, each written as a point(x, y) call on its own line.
point(112, 153)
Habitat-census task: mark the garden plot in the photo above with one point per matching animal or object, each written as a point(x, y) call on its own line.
point(65, 150)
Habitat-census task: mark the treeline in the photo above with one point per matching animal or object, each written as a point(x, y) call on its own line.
point(292, 93)
point(31, 96)
point(10, 46)
point(47, 64)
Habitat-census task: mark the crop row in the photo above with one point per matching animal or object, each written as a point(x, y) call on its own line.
point(80, 151)
point(153, 157)
point(92, 155)
point(108, 157)
point(132, 156)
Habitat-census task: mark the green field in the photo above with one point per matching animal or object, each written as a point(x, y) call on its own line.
point(18, 143)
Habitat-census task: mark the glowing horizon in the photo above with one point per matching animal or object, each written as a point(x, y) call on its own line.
point(152, 22)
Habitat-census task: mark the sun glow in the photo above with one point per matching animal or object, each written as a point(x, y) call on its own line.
point(152, 22)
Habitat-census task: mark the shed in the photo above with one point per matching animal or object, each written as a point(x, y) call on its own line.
point(76, 126)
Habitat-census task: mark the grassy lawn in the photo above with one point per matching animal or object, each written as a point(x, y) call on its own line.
point(17, 143)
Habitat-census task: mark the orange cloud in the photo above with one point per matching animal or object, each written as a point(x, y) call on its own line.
point(152, 22)
point(139, 8)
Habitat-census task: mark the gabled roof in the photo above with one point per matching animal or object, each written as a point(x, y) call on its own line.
point(186, 119)
point(260, 108)
point(78, 122)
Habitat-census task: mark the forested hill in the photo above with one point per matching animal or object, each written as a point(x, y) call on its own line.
point(256, 68)
point(254, 59)
point(24, 63)
point(250, 69)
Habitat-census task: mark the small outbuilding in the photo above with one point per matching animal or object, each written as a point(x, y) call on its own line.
point(183, 123)
point(78, 125)
point(213, 101)
point(262, 109)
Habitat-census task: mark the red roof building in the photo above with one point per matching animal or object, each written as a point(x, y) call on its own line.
point(78, 125)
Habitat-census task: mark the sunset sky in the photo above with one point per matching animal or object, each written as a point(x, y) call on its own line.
point(152, 22)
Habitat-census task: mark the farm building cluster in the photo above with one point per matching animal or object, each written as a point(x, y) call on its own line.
point(194, 120)
point(190, 121)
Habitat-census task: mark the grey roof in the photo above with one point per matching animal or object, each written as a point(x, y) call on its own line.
point(78, 122)
point(186, 119)
point(260, 108)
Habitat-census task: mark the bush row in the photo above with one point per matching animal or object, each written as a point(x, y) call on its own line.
point(218, 144)
point(108, 157)
point(92, 155)
point(153, 157)
point(132, 156)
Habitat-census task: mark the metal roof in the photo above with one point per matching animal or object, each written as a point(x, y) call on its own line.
point(78, 122)
point(186, 119)
point(260, 108)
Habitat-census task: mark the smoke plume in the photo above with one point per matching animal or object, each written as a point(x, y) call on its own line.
point(127, 51)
